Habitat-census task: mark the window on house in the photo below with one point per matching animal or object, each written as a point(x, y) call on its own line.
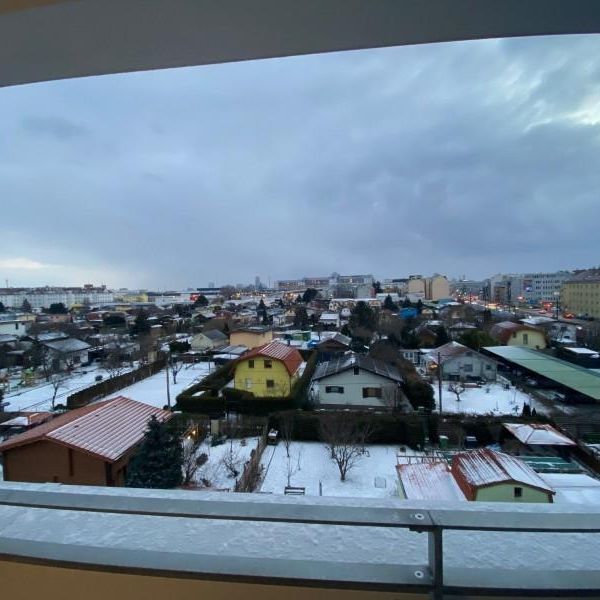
point(251, 364)
point(356, 370)
point(270, 383)
point(334, 389)
point(518, 492)
point(248, 383)
point(467, 368)
point(371, 392)
point(268, 364)
point(488, 367)
point(526, 338)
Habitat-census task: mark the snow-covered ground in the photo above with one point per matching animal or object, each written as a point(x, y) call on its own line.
point(489, 399)
point(153, 390)
point(311, 464)
point(214, 472)
point(39, 397)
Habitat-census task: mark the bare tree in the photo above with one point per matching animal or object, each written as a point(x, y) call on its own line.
point(345, 437)
point(112, 362)
point(192, 461)
point(457, 388)
point(286, 424)
point(57, 381)
point(175, 368)
point(293, 466)
point(232, 461)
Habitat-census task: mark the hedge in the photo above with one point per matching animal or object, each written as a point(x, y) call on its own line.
point(213, 383)
point(387, 429)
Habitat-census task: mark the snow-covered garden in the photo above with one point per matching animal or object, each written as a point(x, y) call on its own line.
point(310, 466)
point(153, 390)
point(490, 399)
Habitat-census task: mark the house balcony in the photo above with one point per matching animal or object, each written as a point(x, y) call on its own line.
point(73, 542)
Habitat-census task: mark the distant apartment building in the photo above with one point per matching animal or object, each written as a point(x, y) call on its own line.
point(467, 287)
point(334, 286)
point(435, 287)
point(43, 297)
point(543, 287)
point(533, 288)
point(580, 294)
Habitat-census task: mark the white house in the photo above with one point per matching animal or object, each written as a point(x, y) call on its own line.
point(357, 381)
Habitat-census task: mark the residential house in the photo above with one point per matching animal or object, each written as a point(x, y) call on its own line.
point(484, 475)
point(329, 319)
point(251, 337)
point(459, 329)
point(269, 370)
point(86, 446)
point(357, 381)
point(212, 339)
point(67, 352)
point(12, 326)
point(460, 362)
point(332, 346)
point(508, 333)
point(23, 422)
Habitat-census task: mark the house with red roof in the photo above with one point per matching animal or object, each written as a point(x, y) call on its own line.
point(269, 370)
point(91, 445)
point(484, 475)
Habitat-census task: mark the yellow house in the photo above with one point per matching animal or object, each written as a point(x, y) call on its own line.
point(269, 370)
point(517, 334)
point(251, 337)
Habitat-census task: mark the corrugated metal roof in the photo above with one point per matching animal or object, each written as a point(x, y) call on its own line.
point(538, 434)
point(484, 467)
point(68, 345)
point(349, 361)
point(290, 357)
point(429, 481)
point(584, 381)
point(106, 429)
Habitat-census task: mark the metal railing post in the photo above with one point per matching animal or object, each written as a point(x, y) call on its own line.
point(436, 561)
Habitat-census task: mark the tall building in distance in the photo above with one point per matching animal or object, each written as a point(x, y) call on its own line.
point(435, 287)
point(335, 285)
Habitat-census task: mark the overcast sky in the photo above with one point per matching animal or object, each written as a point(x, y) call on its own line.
point(465, 158)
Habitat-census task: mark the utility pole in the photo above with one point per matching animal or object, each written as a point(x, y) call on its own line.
point(439, 368)
point(168, 384)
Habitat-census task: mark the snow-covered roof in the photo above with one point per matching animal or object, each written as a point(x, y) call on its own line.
point(429, 481)
point(349, 361)
point(68, 345)
point(106, 429)
point(485, 467)
point(574, 488)
point(538, 434)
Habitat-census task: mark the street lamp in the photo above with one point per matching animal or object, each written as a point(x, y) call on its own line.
point(556, 303)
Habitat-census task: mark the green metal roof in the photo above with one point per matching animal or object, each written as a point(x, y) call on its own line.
point(579, 379)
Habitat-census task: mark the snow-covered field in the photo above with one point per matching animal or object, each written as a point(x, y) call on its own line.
point(311, 464)
point(39, 397)
point(153, 390)
point(490, 399)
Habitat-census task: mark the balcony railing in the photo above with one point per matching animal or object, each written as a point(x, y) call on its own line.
point(431, 577)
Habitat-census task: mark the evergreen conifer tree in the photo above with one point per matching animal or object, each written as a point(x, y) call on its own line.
point(158, 460)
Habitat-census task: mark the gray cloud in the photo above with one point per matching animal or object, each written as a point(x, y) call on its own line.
point(466, 158)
